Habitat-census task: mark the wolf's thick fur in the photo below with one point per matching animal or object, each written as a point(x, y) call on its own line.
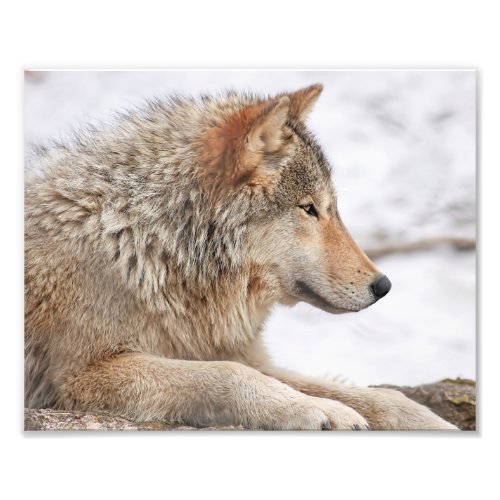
point(155, 250)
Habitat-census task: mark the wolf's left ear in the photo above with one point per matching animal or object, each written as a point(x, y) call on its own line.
point(241, 148)
point(302, 101)
point(266, 133)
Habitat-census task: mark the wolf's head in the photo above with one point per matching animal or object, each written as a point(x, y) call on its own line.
point(262, 151)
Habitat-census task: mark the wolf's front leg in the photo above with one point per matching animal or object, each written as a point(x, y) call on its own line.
point(146, 387)
point(384, 409)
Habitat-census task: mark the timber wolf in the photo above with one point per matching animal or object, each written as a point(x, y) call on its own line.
point(155, 249)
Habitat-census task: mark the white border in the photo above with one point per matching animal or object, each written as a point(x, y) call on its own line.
point(257, 34)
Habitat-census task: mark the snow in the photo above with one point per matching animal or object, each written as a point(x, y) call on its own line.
point(402, 144)
point(423, 331)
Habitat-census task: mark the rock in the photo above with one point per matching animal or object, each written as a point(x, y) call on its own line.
point(454, 400)
point(61, 420)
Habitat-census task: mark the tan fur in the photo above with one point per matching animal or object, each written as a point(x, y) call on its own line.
point(156, 248)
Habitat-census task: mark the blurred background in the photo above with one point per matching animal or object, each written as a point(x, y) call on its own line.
point(402, 146)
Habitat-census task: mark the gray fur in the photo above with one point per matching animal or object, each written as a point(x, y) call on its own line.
point(148, 280)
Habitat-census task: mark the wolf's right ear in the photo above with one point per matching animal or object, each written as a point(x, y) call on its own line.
point(242, 147)
point(303, 100)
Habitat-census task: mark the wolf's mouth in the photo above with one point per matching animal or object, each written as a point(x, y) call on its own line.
point(306, 293)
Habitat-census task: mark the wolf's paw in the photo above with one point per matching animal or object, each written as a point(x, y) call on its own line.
point(391, 410)
point(340, 416)
point(325, 414)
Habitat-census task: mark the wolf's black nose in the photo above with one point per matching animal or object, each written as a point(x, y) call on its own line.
point(381, 286)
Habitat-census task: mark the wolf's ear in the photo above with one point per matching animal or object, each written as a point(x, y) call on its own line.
point(303, 100)
point(266, 132)
point(244, 146)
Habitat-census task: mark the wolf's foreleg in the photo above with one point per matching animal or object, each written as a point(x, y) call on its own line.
point(386, 409)
point(146, 387)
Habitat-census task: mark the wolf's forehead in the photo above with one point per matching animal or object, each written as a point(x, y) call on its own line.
point(308, 169)
point(310, 148)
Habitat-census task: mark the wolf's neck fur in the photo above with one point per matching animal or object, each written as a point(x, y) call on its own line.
point(135, 211)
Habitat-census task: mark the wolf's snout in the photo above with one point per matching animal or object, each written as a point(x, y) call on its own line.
point(381, 286)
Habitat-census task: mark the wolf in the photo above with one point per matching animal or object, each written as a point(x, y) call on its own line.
point(157, 246)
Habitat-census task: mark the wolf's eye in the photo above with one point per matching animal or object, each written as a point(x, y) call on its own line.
point(310, 209)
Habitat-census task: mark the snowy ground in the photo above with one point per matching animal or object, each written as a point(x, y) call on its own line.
point(403, 149)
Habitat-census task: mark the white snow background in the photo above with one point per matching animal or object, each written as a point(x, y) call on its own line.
point(402, 144)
